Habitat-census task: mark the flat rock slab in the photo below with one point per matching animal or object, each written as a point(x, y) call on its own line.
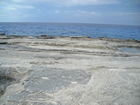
point(51, 80)
point(69, 71)
point(45, 81)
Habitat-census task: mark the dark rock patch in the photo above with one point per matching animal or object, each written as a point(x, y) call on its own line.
point(5, 81)
point(2, 34)
point(52, 80)
point(3, 43)
point(45, 37)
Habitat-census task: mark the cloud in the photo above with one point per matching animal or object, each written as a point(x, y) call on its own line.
point(26, 7)
point(17, 7)
point(11, 8)
point(87, 13)
point(17, 1)
point(88, 2)
point(13, 16)
point(66, 2)
point(74, 2)
point(125, 13)
point(11, 11)
point(57, 11)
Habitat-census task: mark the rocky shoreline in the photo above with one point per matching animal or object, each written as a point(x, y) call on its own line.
point(48, 70)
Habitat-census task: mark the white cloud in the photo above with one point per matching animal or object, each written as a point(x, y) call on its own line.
point(17, 1)
point(88, 2)
point(125, 13)
point(57, 11)
point(11, 8)
point(16, 7)
point(73, 2)
point(87, 13)
point(14, 12)
point(26, 7)
point(13, 16)
point(68, 2)
point(66, 12)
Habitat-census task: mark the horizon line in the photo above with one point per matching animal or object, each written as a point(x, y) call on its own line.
point(79, 23)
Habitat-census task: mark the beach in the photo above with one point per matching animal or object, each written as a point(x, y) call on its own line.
point(59, 70)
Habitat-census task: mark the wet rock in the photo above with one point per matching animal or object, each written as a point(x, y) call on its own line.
point(45, 37)
point(17, 36)
point(79, 37)
point(3, 43)
point(133, 40)
point(2, 34)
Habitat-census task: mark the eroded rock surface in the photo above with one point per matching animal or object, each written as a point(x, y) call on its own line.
point(69, 71)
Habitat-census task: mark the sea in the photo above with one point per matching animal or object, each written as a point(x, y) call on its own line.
point(71, 29)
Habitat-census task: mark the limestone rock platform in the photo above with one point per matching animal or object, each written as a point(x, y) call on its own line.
point(48, 70)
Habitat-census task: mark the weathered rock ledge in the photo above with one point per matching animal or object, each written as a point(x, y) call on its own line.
point(48, 70)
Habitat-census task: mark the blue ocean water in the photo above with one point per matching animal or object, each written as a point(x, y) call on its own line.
point(71, 29)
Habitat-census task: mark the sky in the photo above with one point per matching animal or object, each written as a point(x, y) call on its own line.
point(125, 12)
